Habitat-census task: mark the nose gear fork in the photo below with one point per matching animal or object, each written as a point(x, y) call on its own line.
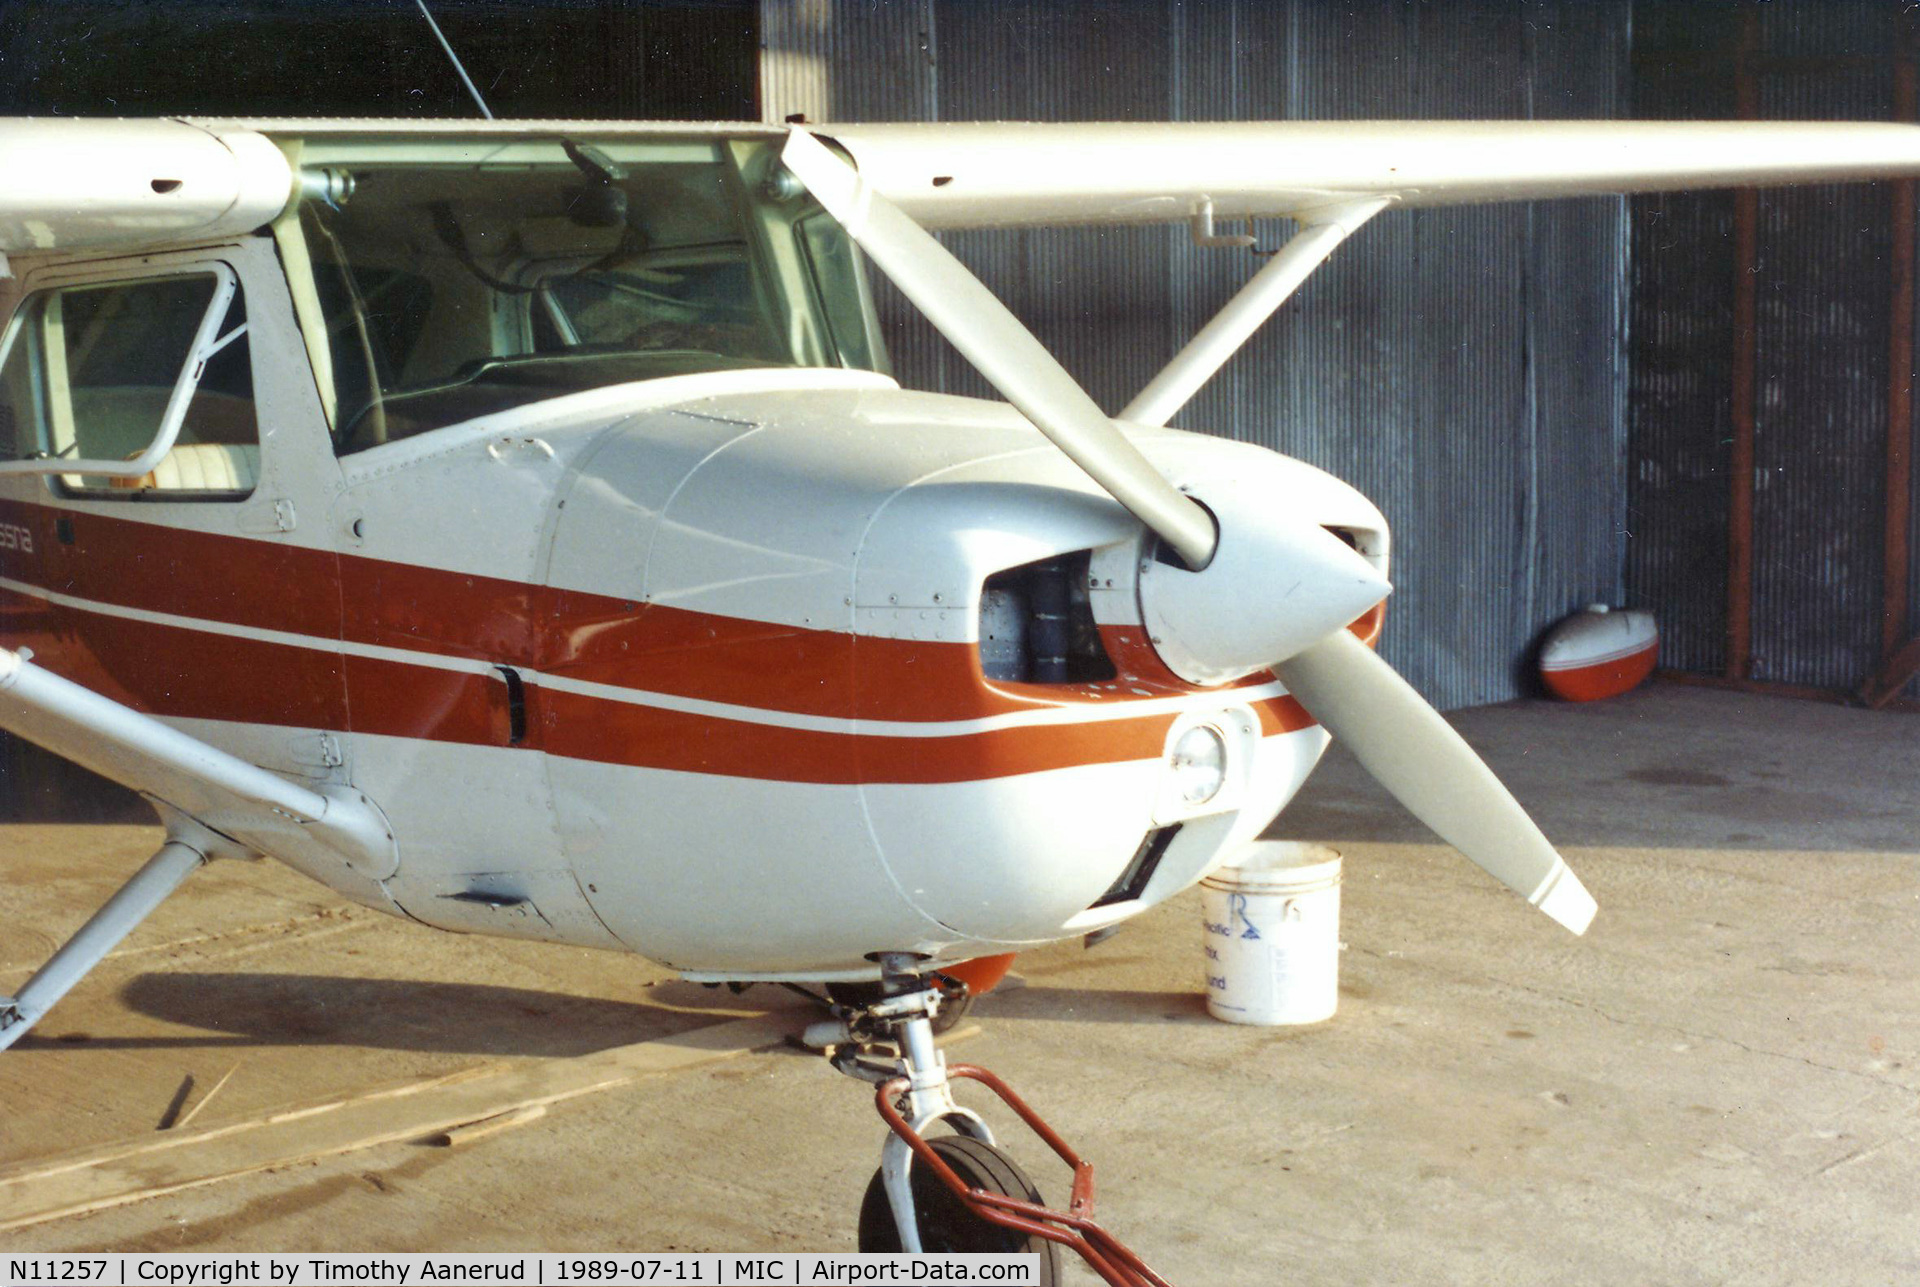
point(904, 1012)
point(927, 1091)
point(916, 1090)
point(1073, 1228)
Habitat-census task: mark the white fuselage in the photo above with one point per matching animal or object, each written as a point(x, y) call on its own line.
point(690, 667)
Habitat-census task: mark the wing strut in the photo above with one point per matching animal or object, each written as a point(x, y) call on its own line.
point(1320, 232)
point(187, 847)
point(990, 337)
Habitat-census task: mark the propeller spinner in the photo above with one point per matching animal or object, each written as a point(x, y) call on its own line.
point(1260, 590)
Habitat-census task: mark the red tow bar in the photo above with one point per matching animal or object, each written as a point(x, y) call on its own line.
point(1074, 1227)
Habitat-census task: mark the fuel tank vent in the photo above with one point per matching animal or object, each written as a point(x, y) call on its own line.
point(1037, 627)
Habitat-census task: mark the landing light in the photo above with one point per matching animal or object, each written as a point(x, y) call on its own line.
point(1200, 763)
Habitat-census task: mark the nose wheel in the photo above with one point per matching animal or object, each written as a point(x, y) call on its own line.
point(945, 1221)
point(956, 1192)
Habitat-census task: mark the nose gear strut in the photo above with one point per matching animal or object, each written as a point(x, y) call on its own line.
point(956, 1194)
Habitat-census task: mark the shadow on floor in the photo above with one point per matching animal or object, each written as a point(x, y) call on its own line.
point(395, 1014)
point(253, 1010)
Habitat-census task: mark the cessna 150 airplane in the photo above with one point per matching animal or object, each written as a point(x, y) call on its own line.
point(513, 526)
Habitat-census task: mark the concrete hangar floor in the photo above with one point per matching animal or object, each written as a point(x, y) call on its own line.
point(1720, 1083)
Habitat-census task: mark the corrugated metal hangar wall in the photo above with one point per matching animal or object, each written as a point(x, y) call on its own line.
point(1462, 367)
point(1767, 497)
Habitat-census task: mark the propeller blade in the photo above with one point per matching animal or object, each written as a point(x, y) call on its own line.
point(1416, 756)
point(1000, 348)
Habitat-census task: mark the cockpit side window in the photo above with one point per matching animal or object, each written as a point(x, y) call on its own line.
point(91, 369)
point(458, 278)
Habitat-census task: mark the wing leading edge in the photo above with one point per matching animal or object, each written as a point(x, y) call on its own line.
point(967, 175)
point(95, 184)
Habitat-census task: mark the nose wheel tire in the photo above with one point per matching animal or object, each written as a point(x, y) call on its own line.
point(946, 1224)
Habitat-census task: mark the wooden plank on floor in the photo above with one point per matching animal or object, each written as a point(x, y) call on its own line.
point(131, 1170)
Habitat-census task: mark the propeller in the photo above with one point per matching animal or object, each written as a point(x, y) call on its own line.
point(1259, 590)
point(1430, 769)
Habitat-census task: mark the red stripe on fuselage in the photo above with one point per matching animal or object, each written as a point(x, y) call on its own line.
point(193, 674)
point(647, 647)
point(230, 580)
point(170, 670)
point(614, 732)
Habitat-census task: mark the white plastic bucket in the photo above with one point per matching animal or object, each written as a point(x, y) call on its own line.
point(1271, 929)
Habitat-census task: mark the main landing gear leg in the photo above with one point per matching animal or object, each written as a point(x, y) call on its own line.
point(956, 1193)
point(178, 858)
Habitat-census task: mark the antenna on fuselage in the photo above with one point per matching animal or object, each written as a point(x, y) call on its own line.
point(455, 60)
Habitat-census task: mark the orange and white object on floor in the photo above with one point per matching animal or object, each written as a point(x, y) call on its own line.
point(1598, 652)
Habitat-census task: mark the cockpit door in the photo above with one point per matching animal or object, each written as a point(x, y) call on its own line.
point(205, 588)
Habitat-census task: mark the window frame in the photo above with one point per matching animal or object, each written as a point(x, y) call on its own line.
point(206, 342)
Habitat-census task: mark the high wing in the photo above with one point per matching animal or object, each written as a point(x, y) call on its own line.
point(139, 183)
point(965, 175)
point(75, 183)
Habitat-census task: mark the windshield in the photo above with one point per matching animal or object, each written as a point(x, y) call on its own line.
point(454, 278)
